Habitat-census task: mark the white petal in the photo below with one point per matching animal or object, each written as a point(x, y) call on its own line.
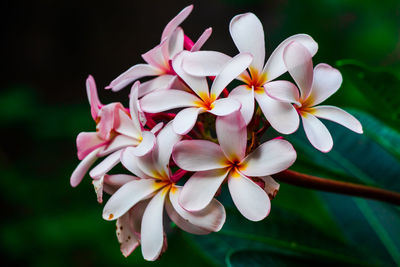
point(127, 196)
point(157, 128)
point(327, 81)
point(245, 96)
point(111, 183)
point(317, 133)
point(252, 201)
point(119, 142)
point(130, 161)
point(269, 158)
point(199, 155)
point(232, 136)
point(200, 189)
point(282, 116)
point(127, 126)
point(126, 235)
point(202, 39)
point(339, 116)
point(107, 164)
point(298, 62)
point(225, 106)
point(158, 57)
point(175, 44)
point(152, 233)
point(275, 66)
point(204, 63)
point(83, 167)
point(176, 21)
point(230, 71)
point(248, 34)
point(159, 101)
point(185, 120)
point(161, 82)
point(133, 106)
point(146, 145)
point(283, 91)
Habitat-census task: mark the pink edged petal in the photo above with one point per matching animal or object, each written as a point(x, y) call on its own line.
point(282, 116)
point(316, 132)
point(197, 84)
point(269, 158)
point(199, 155)
point(250, 199)
point(200, 189)
point(339, 116)
point(275, 66)
point(134, 106)
point(283, 91)
point(136, 72)
point(270, 186)
point(245, 96)
point(205, 63)
point(130, 161)
point(202, 39)
point(327, 81)
point(209, 219)
point(298, 62)
point(232, 136)
point(185, 120)
point(107, 164)
point(161, 82)
point(176, 21)
point(127, 196)
point(126, 235)
point(152, 233)
point(98, 188)
point(109, 119)
point(157, 128)
point(160, 101)
point(175, 44)
point(119, 142)
point(248, 35)
point(83, 167)
point(128, 127)
point(146, 145)
point(158, 57)
point(86, 142)
point(229, 72)
point(94, 101)
point(225, 106)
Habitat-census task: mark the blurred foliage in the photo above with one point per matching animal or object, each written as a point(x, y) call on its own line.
point(48, 223)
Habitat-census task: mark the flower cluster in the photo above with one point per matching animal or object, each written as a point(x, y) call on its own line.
point(182, 139)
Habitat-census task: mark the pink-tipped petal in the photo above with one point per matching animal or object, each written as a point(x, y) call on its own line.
point(317, 133)
point(252, 201)
point(164, 100)
point(129, 127)
point(202, 39)
point(86, 142)
point(176, 21)
point(204, 63)
point(248, 34)
point(152, 233)
point(225, 106)
point(283, 91)
point(185, 120)
point(161, 82)
point(327, 81)
point(275, 66)
point(230, 71)
point(94, 101)
point(298, 62)
point(175, 44)
point(200, 189)
point(146, 145)
point(133, 105)
point(83, 167)
point(199, 155)
point(130, 161)
point(282, 116)
point(136, 72)
point(107, 164)
point(339, 116)
point(126, 235)
point(269, 158)
point(232, 136)
point(158, 56)
point(127, 196)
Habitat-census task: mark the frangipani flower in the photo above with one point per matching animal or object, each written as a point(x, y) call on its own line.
point(156, 186)
point(248, 34)
point(116, 129)
point(203, 100)
point(315, 87)
point(158, 59)
point(214, 163)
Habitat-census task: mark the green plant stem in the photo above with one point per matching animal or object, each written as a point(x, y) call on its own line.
point(329, 185)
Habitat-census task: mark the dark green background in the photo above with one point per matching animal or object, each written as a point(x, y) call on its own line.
point(48, 49)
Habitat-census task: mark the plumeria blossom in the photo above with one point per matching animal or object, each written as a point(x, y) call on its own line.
point(157, 187)
point(315, 87)
point(248, 35)
point(214, 164)
point(202, 99)
point(116, 129)
point(158, 59)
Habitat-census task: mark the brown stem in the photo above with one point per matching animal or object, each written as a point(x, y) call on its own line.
point(328, 185)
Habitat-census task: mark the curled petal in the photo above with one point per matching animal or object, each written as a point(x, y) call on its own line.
point(270, 186)
point(159, 101)
point(185, 120)
point(128, 127)
point(146, 145)
point(107, 164)
point(83, 167)
point(202, 39)
point(339, 116)
point(283, 91)
point(225, 106)
point(109, 120)
point(176, 21)
point(204, 63)
point(133, 106)
point(126, 235)
point(94, 101)
point(327, 81)
point(316, 132)
point(86, 142)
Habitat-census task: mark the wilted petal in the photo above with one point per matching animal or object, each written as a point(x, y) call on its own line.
point(204, 63)
point(339, 116)
point(83, 167)
point(159, 101)
point(248, 34)
point(245, 96)
point(86, 142)
point(202, 39)
point(200, 189)
point(283, 91)
point(269, 158)
point(107, 164)
point(126, 235)
point(252, 201)
point(316, 132)
point(271, 187)
point(225, 106)
point(98, 188)
point(185, 120)
point(94, 101)
point(176, 21)
point(327, 81)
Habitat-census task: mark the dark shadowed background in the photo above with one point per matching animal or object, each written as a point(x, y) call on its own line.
point(49, 48)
